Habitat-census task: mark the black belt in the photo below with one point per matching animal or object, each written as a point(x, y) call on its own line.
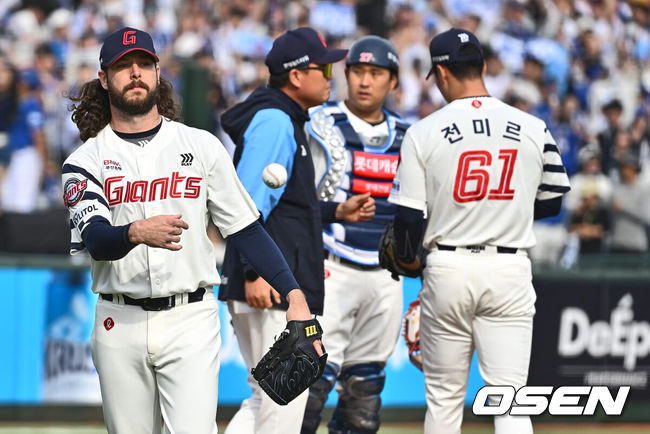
point(155, 304)
point(511, 250)
point(335, 258)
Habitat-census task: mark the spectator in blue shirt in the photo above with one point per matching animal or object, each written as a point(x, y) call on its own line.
point(21, 186)
point(8, 108)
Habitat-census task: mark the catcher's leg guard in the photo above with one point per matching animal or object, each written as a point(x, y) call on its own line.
point(318, 393)
point(359, 400)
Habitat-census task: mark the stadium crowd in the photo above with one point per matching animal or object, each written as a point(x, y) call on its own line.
point(583, 66)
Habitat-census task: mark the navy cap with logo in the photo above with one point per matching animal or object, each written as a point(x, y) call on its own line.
point(123, 41)
point(298, 48)
point(445, 48)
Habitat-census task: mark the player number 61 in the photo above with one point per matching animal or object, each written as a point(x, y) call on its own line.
point(481, 177)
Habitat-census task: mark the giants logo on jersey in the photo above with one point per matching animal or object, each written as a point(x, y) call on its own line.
point(175, 187)
point(73, 191)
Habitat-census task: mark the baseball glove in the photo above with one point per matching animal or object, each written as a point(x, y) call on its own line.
point(411, 333)
point(292, 364)
point(387, 259)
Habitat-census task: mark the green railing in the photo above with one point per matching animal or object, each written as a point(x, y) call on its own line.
point(78, 262)
point(600, 267)
point(589, 267)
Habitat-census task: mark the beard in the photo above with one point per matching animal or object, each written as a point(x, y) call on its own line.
point(133, 107)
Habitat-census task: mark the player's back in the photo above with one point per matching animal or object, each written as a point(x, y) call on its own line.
point(483, 163)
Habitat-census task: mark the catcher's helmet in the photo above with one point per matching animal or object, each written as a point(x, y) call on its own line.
point(374, 50)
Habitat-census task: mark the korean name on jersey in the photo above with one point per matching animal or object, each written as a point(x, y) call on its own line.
point(486, 163)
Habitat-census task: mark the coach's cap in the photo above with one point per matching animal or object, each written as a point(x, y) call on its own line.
point(123, 41)
point(445, 48)
point(298, 48)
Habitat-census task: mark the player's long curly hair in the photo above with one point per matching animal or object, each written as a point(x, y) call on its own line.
point(93, 112)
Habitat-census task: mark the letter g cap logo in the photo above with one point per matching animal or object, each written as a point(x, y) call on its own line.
point(128, 37)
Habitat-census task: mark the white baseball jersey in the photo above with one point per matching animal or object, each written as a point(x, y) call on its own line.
point(182, 170)
point(475, 167)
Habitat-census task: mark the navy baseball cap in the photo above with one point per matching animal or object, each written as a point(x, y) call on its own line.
point(445, 47)
point(123, 41)
point(300, 47)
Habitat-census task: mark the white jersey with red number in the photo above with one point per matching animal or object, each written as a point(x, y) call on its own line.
point(182, 170)
point(476, 167)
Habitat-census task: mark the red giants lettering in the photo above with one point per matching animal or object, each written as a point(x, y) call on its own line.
point(192, 188)
point(176, 187)
point(176, 179)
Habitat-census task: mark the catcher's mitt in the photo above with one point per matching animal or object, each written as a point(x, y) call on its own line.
point(411, 333)
point(387, 259)
point(292, 364)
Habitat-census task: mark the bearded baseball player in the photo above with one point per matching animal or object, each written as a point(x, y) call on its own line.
point(141, 191)
point(481, 171)
point(355, 147)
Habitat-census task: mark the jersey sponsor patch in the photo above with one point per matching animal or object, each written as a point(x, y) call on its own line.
point(109, 323)
point(378, 189)
point(83, 213)
point(73, 191)
point(112, 165)
point(376, 166)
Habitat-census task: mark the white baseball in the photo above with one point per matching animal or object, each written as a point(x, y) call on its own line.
point(274, 175)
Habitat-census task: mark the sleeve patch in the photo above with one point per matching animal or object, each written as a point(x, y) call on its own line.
point(84, 213)
point(73, 191)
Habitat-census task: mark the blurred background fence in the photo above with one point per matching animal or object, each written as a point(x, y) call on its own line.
point(592, 327)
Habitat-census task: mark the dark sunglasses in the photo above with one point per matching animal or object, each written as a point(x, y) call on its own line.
point(326, 69)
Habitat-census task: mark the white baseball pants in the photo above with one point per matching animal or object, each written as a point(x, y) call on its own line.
point(256, 330)
point(158, 365)
point(483, 301)
point(362, 314)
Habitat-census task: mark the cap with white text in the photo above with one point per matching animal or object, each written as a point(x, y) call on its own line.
point(445, 48)
point(298, 48)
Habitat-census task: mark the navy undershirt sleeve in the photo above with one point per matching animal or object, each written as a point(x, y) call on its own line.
point(263, 255)
point(106, 242)
point(408, 229)
point(547, 208)
point(328, 211)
